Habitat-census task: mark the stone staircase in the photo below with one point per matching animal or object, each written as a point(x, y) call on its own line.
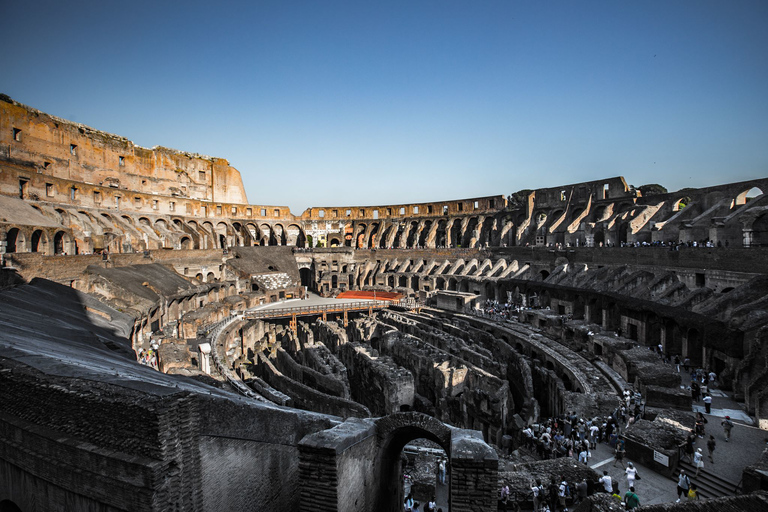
point(708, 484)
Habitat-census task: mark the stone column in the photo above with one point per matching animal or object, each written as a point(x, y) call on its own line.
point(473, 473)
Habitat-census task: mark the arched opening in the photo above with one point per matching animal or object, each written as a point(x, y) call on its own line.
point(760, 232)
point(455, 233)
point(34, 242)
point(674, 340)
point(440, 234)
point(543, 275)
point(373, 236)
point(748, 195)
point(623, 232)
point(424, 233)
point(694, 347)
point(681, 203)
point(404, 446)
point(470, 234)
point(412, 232)
point(391, 281)
point(306, 277)
point(12, 240)
point(9, 506)
point(59, 240)
point(599, 239)
point(185, 243)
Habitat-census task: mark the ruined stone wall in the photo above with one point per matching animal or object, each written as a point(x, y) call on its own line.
point(251, 460)
point(132, 434)
point(305, 397)
point(376, 381)
point(66, 150)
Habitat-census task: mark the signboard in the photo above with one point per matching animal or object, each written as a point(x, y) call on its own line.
point(660, 458)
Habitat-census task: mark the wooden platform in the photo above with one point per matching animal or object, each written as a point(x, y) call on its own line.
point(356, 294)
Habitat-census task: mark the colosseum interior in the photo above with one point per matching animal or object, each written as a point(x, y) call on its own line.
point(167, 345)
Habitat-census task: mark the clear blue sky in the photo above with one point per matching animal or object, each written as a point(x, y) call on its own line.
point(364, 103)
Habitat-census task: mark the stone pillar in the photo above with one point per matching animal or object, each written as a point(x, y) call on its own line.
point(205, 357)
point(747, 237)
point(473, 473)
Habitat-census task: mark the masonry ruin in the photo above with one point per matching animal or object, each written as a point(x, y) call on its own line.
point(111, 251)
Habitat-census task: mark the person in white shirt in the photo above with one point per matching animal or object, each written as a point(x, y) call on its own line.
point(607, 482)
point(631, 473)
point(536, 489)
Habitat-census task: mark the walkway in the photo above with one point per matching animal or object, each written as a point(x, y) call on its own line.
point(746, 445)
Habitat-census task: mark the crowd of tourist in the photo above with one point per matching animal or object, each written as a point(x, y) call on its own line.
point(495, 310)
point(148, 358)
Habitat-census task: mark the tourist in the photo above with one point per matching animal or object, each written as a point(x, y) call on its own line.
point(441, 470)
point(536, 490)
point(503, 497)
point(711, 447)
point(630, 499)
point(698, 461)
point(693, 493)
point(431, 506)
point(683, 484)
point(689, 445)
point(727, 427)
point(677, 363)
point(631, 472)
point(700, 422)
point(607, 483)
point(619, 452)
point(409, 503)
point(581, 491)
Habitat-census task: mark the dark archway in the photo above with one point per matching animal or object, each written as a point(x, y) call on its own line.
point(9, 506)
point(34, 245)
point(11, 238)
point(395, 431)
point(58, 243)
point(306, 277)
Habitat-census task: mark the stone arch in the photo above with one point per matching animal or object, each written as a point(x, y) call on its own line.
point(759, 236)
point(681, 203)
point(469, 238)
point(694, 345)
point(15, 240)
point(599, 238)
point(295, 236)
point(252, 230)
point(61, 243)
point(279, 233)
point(394, 432)
point(373, 235)
point(454, 235)
point(222, 235)
point(491, 291)
point(267, 236)
point(35, 241)
point(747, 195)
point(360, 236)
point(9, 506)
point(185, 243)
